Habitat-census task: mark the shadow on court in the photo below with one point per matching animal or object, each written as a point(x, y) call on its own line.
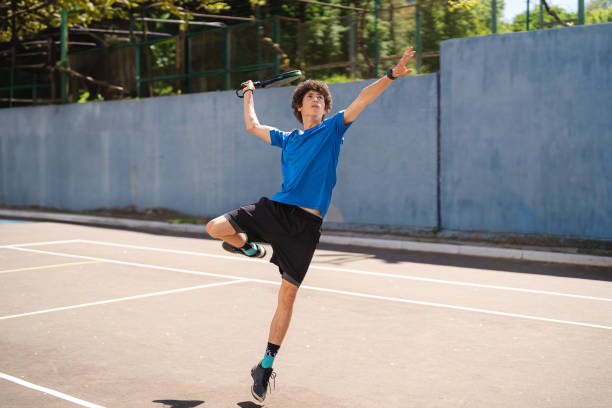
point(353, 254)
point(178, 403)
point(192, 404)
point(248, 404)
point(395, 256)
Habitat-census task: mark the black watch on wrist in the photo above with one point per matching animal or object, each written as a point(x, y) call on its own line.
point(390, 75)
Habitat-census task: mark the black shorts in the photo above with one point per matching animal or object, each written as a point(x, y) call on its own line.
point(293, 233)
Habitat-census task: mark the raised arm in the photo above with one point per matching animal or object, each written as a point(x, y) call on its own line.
point(250, 118)
point(372, 91)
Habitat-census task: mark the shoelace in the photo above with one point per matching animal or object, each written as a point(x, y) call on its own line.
point(273, 377)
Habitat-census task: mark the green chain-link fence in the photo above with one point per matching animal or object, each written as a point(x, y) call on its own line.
point(356, 44)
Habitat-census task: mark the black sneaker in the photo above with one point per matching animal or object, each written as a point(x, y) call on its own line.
point(261, 250)
point(261, 381)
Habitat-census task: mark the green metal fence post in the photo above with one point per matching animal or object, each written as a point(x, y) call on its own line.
point(527, 15)
point(276, 39)
point(64, 53)
point(259, 56)
point(300, 44)
point(541, 16)
point(494, 16)
point(418, 39)
point(352, 53)
point(580, 12)
point(226, 58)
point(376, 50)
point(137, 69)
point(13, 61)
point(188, 87)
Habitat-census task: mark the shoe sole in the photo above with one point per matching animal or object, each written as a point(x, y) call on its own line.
point(234, 250)
point(257, 397)
point(262, 253)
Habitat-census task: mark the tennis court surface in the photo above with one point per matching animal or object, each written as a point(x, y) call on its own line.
point(103, 317)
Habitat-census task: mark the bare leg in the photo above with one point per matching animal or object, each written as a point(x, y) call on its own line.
point(220, 228)
point(284, 310)
point(278, 329)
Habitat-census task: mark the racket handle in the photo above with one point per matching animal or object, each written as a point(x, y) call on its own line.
point(256, 84)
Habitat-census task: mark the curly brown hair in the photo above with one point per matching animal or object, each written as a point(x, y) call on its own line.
point(302, 89)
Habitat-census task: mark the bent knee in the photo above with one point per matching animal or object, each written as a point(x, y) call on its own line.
point(219, 227)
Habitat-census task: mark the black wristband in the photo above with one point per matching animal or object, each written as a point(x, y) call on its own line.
point(390, 75)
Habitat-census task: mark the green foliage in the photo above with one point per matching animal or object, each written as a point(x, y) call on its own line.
point(440, 22)
point(462, 4)
point(163, 90)
point(325, 33)
point(519, 23)
point(598, 5)
point(597, 16)
point(84, 97)
point(337, 78)
point(164, 55)
point(184, 221)
point(598, 11)
point(33, 16)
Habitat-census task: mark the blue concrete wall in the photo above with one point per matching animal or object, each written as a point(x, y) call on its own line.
point(526, 129)
point(387, 172)
point(192, 153)
point(526, 145)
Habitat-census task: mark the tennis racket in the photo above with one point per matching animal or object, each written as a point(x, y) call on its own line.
point(277, 80)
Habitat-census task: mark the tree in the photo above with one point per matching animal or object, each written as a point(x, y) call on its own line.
point(598, 5)
point(520, 21)
point(24, 18)
point(440, 22)
point(598, 11)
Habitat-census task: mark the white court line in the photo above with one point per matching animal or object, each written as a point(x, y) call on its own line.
point(467, 309)
point(174, 251)
point(67, 241)
point(49, 391)
point(458, 283)
point(162, 268)
point(360, 272)
point(104, 302)
point(357, 294)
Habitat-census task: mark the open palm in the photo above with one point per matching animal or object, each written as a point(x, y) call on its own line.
point(400, 69)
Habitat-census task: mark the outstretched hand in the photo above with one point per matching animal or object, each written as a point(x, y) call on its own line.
point(400, 69)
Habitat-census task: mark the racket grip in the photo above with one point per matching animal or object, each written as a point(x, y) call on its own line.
point(256, 84)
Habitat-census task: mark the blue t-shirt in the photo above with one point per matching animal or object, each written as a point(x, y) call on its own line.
point(309, 162)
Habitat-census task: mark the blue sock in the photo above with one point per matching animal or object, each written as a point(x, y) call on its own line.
point(268, 359)
point(249, 249)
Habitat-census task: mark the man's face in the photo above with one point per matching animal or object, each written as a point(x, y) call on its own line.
point(313, 104)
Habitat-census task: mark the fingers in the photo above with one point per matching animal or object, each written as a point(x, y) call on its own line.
point(408, 54)
point(401, 69)
point(247, 84)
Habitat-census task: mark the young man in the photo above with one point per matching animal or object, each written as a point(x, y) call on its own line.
point(291, 220)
